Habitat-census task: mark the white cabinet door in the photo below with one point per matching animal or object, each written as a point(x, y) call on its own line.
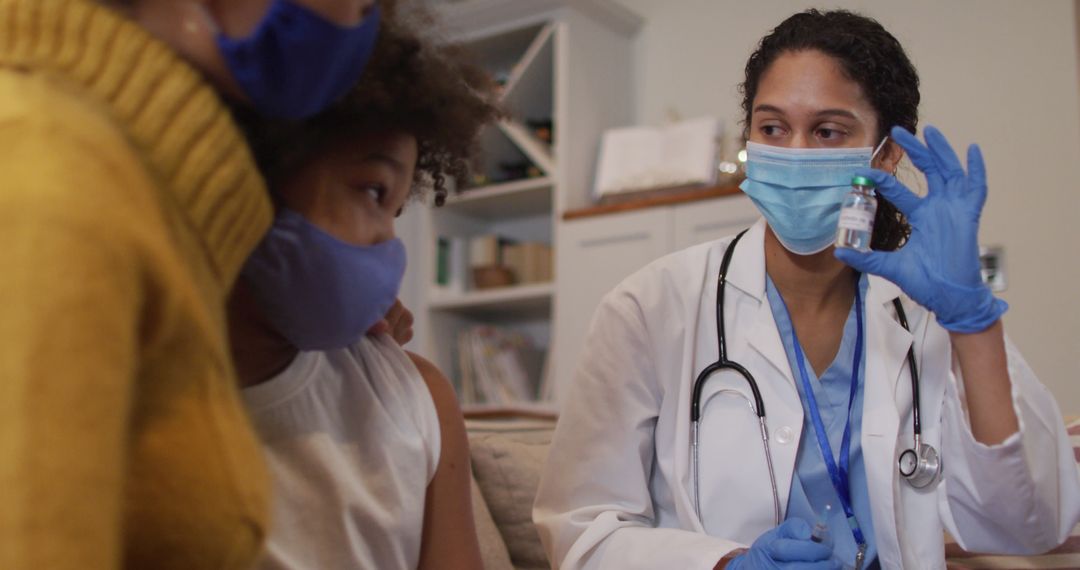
point(699, 222)
point(595, 254)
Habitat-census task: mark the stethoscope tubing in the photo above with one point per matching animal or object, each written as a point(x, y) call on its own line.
point(722, 363)
point(758, 404)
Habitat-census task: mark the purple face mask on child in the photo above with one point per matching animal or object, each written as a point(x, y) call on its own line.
point(319, 292)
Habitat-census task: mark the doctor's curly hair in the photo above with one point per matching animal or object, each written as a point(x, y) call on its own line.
point(868, 55)
point(411, 84)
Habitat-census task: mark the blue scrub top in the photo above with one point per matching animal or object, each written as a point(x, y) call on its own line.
point(811, 488)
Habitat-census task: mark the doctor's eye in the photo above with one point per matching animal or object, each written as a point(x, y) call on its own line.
point(772, 130)
point(830, 134)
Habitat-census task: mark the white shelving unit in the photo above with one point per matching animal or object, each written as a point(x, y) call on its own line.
point(564, 60)
point(528, 197)
point(534, 297)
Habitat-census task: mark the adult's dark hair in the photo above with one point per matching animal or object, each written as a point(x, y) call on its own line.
point(411, 84)
point(869, 55)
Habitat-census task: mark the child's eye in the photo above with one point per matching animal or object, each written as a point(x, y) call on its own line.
point(376, 191)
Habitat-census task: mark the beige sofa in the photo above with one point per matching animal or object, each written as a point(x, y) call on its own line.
point(507, 456)
point(506, 459)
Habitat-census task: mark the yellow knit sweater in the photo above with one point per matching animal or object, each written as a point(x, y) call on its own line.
point(128, 202)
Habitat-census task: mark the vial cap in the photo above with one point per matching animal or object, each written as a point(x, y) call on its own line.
point(862, 181)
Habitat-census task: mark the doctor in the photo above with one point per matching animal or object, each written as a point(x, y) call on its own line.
point(821, 334)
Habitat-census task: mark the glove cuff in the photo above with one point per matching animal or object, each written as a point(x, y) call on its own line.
point(977, 312)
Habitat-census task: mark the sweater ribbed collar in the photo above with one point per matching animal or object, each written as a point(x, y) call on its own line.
point(173, 118)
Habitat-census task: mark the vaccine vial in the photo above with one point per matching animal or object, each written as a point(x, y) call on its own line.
point(857, 215)
point(820, 533)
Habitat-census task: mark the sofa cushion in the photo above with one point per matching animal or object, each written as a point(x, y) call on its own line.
point(507, 457)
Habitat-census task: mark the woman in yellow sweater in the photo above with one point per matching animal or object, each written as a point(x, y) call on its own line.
point(128, 202)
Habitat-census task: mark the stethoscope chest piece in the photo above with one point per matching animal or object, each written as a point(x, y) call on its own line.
point(921, 465)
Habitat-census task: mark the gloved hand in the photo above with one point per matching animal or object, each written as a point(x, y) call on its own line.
point(788, 547)
point(938, 267)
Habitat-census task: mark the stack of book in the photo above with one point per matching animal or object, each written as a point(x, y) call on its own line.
point(498, 366)
point(528, 261)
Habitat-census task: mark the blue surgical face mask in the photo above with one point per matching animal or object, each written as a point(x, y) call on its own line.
point(296, 62)
point(319, 292)
point(800, 190)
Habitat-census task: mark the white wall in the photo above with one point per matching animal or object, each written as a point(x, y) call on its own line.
point(997, 72)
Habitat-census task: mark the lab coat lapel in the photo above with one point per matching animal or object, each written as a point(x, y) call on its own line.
point(765, 338)
point(747, 273)
point(886, 353)
point(888, 341)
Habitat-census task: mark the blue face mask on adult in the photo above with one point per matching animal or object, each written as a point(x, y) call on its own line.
point(800, 190)
point(319, 292)
point(296, 62)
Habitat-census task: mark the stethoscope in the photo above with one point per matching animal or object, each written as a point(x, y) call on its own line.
point(919, 465)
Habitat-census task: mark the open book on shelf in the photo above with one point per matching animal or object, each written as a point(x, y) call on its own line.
point(637, 159)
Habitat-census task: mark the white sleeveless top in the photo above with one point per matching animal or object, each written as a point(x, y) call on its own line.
point(352, 440)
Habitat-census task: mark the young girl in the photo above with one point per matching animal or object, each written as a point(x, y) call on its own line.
point(366, 442)
point(658, 460)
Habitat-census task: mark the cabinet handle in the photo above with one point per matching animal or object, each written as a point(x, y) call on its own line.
point(595, 242)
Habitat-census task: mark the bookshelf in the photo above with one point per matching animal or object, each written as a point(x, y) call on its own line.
point(564, 65)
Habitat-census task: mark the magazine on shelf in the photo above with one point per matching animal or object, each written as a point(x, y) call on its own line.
point(498, 366)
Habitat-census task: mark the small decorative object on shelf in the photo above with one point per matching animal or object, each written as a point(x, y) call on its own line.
point(478, 179)
point(492, 276)
point(542, 129)
point(731, 161)
point(518, 170)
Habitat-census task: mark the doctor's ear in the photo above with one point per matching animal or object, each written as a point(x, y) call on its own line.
point(889, 157)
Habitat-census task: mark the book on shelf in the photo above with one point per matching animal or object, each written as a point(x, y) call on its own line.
point(451, 273)
point(634, 160)
point(498, 366)
point(530, 262)
point(486, 250)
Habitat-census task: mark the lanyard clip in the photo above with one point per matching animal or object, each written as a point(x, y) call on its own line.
point(860, 556)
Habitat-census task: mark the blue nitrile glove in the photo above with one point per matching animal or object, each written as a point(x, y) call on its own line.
point(787, 547)
point(938, 267)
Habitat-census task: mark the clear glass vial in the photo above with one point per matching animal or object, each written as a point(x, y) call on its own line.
point(820, 533)
point(857, 215)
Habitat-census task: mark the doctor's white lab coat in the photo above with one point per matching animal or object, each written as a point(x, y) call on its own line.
point(617, 489)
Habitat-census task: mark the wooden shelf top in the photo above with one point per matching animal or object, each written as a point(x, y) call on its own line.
point(692, 195)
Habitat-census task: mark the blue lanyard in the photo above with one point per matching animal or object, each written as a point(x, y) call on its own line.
point(839, 475)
